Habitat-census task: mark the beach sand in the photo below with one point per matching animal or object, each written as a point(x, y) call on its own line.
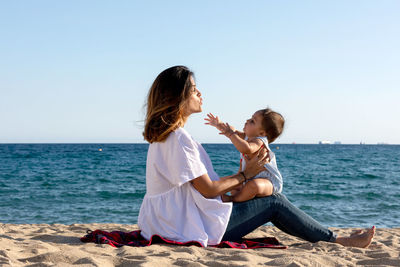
point(59, 245)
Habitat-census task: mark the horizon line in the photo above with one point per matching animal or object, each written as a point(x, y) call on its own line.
point(207, 143)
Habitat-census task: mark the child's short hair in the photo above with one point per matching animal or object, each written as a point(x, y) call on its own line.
point(272, 123)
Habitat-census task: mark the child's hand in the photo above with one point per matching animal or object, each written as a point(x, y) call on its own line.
point(226, 198)
point(226, 129)
point(213, 121)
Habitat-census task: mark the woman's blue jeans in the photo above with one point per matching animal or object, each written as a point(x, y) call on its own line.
point(249, 215)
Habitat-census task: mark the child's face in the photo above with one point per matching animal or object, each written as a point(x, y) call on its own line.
point(253, 126)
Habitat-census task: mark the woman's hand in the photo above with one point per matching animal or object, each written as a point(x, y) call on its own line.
point(256, 164)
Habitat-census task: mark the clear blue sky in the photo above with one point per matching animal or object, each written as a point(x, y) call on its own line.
point(79, 71)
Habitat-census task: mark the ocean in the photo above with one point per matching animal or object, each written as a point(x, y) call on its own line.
point(338, 185)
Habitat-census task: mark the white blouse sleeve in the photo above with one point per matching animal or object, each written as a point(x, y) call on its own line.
point(187, 164)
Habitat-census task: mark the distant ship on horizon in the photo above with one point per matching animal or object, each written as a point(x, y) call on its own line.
point(382, 143)
point(326, 142)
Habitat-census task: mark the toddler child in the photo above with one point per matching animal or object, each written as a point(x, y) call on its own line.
point(260, 130)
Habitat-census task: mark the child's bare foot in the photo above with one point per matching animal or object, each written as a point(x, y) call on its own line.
point(226, 198)
point(357, 239)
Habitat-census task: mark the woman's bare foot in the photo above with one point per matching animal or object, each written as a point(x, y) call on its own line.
point(357, 239)
point(356, 232)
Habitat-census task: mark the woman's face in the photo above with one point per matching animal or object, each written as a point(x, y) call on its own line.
point(194, 102)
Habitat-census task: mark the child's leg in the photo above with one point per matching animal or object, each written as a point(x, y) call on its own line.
point(254, 188)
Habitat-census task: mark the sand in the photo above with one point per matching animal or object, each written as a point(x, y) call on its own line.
point(59, 245)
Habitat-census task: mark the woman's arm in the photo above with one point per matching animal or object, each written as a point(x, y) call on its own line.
point(211, 189)
point(233, 191)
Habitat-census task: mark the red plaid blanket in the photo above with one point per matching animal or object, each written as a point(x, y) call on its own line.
point(135, 239)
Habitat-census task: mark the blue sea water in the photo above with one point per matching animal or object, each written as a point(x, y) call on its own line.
point(338, 185)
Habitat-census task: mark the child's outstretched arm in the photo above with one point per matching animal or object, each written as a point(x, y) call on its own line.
point(244, 146)
point(236, 137)
point(217, 123)
point(214, 121)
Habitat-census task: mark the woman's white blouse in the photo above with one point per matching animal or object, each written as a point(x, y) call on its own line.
point(172, 207)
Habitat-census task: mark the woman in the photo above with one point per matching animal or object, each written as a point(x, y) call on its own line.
point(182, 200)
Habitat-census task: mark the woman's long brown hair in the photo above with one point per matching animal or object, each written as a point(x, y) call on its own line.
point(165, 103)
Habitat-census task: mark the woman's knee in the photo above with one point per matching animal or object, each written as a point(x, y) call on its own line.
point(275, 200)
